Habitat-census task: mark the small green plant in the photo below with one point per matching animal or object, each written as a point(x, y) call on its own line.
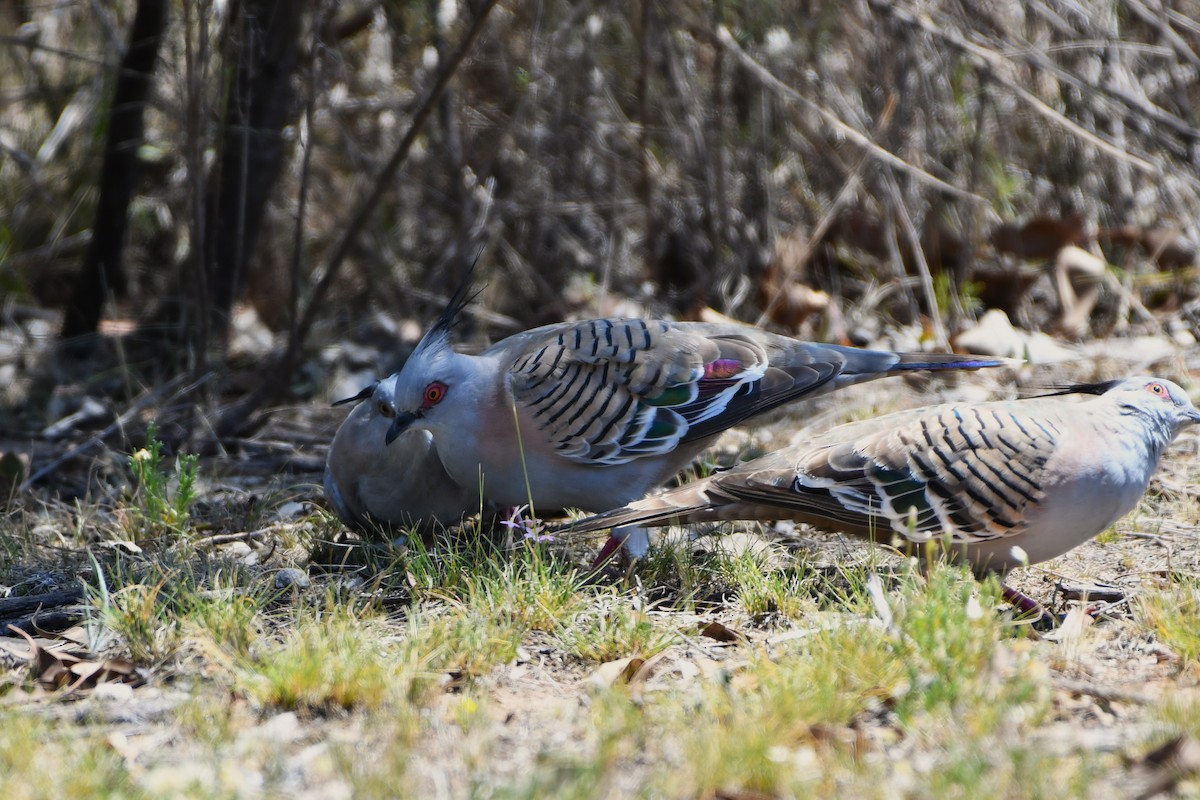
point(164, 495)
point(968, 293)
point(744, 734)
point(1174, 616)
point(441, 570)
point(157, 607)
point(229, 618)
point(334, 658)
point(950, 632)
point(762, 591)
point(39, 759)
point(675, 573)
point(612, 630)
point(1175, 715)
point(139, 613)
point(526, 590)
point(457, 640)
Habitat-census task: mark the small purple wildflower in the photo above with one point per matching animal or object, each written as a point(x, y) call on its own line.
point(530, 527)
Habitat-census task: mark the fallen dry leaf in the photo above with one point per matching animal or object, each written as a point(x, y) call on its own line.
point(55, 666)
point(1165, 766)
point(611, 673)
point(716, 631)
point(648, 667)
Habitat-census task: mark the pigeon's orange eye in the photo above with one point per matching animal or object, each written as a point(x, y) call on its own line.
point(434, 393)
point(385, 408)
point(1157, 389)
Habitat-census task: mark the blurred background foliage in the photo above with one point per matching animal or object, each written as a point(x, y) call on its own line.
point(834, 170)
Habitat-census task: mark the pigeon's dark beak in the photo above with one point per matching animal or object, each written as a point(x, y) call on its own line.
point(399, 423)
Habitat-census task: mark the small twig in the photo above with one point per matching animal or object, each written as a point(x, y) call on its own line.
point(31, 45)
point(492, 318)
point(1106, 693)
point(51, 250)
point(228, 538)
point(1091, 592)
point(914, 243)
point(97, 440)
point(38, 622)
point(1151, 16)
point(325, 16)
point(33, 602)
point(828, 217)
point(818, 233)
point(1130, 300)
point(1110, 94)
point(994, 62)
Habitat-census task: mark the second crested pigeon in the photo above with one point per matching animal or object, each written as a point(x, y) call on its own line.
point(371, 484)
point(594, 414)
point(999, 484)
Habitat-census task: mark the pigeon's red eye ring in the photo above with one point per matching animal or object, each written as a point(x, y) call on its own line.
point(434, 393)
point(1153, 388)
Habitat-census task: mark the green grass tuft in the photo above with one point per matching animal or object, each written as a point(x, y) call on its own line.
point(613, 627)
point(41, 760)
point(1173, 614)
point(331, 658)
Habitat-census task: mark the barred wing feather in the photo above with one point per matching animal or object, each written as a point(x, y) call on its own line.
point(971, 474)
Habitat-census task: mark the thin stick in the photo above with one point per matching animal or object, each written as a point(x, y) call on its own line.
point(827, 219)
point(384, 183)
point(726, 40)
point(994, 63)
point(228, 538)
point(96, 440)
point(35, 602)
point(1107, 693)
point(914, 242)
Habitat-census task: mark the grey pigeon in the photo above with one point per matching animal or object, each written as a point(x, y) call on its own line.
point(1000, 484)
point(371, 484)
point(594, 414)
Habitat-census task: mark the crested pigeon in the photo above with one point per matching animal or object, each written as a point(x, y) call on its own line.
point(998, 484)
point(594, 414)
point(370, 484)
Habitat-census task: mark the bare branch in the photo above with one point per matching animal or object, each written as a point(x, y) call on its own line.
point(726, 40)
point(279, 376)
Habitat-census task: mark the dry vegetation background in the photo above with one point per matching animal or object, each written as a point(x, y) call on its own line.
point(303, 199)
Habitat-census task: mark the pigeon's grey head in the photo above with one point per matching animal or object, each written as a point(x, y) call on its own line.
point(1157, 398)
point(433, 373)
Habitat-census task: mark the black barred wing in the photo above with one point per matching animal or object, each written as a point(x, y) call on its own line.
point(613, 390)
point(972, 474)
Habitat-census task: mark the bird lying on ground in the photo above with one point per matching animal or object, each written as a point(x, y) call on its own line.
point(371, 485)
point(998, 484)
point(594, 414)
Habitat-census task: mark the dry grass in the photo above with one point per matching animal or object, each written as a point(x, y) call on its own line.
point(467, 670)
